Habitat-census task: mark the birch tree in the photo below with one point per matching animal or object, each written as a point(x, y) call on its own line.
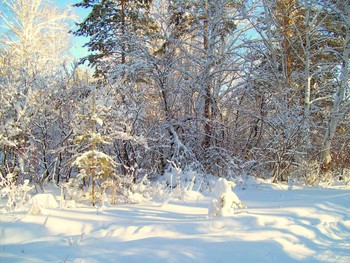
point(34, 42)
point(35, 35)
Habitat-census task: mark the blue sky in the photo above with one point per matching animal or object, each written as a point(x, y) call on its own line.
point(77, 42)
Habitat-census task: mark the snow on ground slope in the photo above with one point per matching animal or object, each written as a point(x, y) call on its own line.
point(278, 226)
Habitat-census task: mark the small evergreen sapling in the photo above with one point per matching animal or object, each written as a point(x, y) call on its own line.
point(93, 163)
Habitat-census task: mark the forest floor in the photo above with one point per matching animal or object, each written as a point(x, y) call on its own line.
point(278, 225)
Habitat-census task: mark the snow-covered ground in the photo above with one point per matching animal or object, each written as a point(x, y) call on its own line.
point(302, 225)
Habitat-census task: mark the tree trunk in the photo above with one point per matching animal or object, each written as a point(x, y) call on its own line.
point(93, 149)
point(307, 89)
point(208, 88)
point(285, 8)
point(123, 58)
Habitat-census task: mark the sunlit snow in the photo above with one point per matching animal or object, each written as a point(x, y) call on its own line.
point(303, 225)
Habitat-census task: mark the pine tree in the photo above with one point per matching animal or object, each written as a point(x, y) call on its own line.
point(92, 163)
point(114, 28)
point(118, 32)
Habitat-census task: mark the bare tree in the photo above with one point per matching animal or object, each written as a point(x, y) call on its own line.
point(36, 36)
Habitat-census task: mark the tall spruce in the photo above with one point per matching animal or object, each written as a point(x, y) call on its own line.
point(113, 29)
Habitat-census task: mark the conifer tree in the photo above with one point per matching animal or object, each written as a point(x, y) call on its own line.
point(114, 28)
point(92, 163)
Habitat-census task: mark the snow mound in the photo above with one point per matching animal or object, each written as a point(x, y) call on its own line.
point(43, 201)
point(226, 200)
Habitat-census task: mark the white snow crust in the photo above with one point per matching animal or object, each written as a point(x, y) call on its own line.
point(302, 225)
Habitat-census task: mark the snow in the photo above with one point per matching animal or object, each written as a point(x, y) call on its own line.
point(45, 201)
point(226, 200)
point(302, 225)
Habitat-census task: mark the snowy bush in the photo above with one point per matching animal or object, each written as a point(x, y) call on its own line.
point(111, 191)
point(143, 190)
point(74, 190)
point(123, 191)
point(346, 176)
point(310, 173)
point(179, 184)
point(110, 188)
point(160, 190)
point(17, 194)
point(226, 200)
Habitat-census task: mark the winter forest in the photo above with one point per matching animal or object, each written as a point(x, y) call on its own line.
point(218, 87)
point(171, 96)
